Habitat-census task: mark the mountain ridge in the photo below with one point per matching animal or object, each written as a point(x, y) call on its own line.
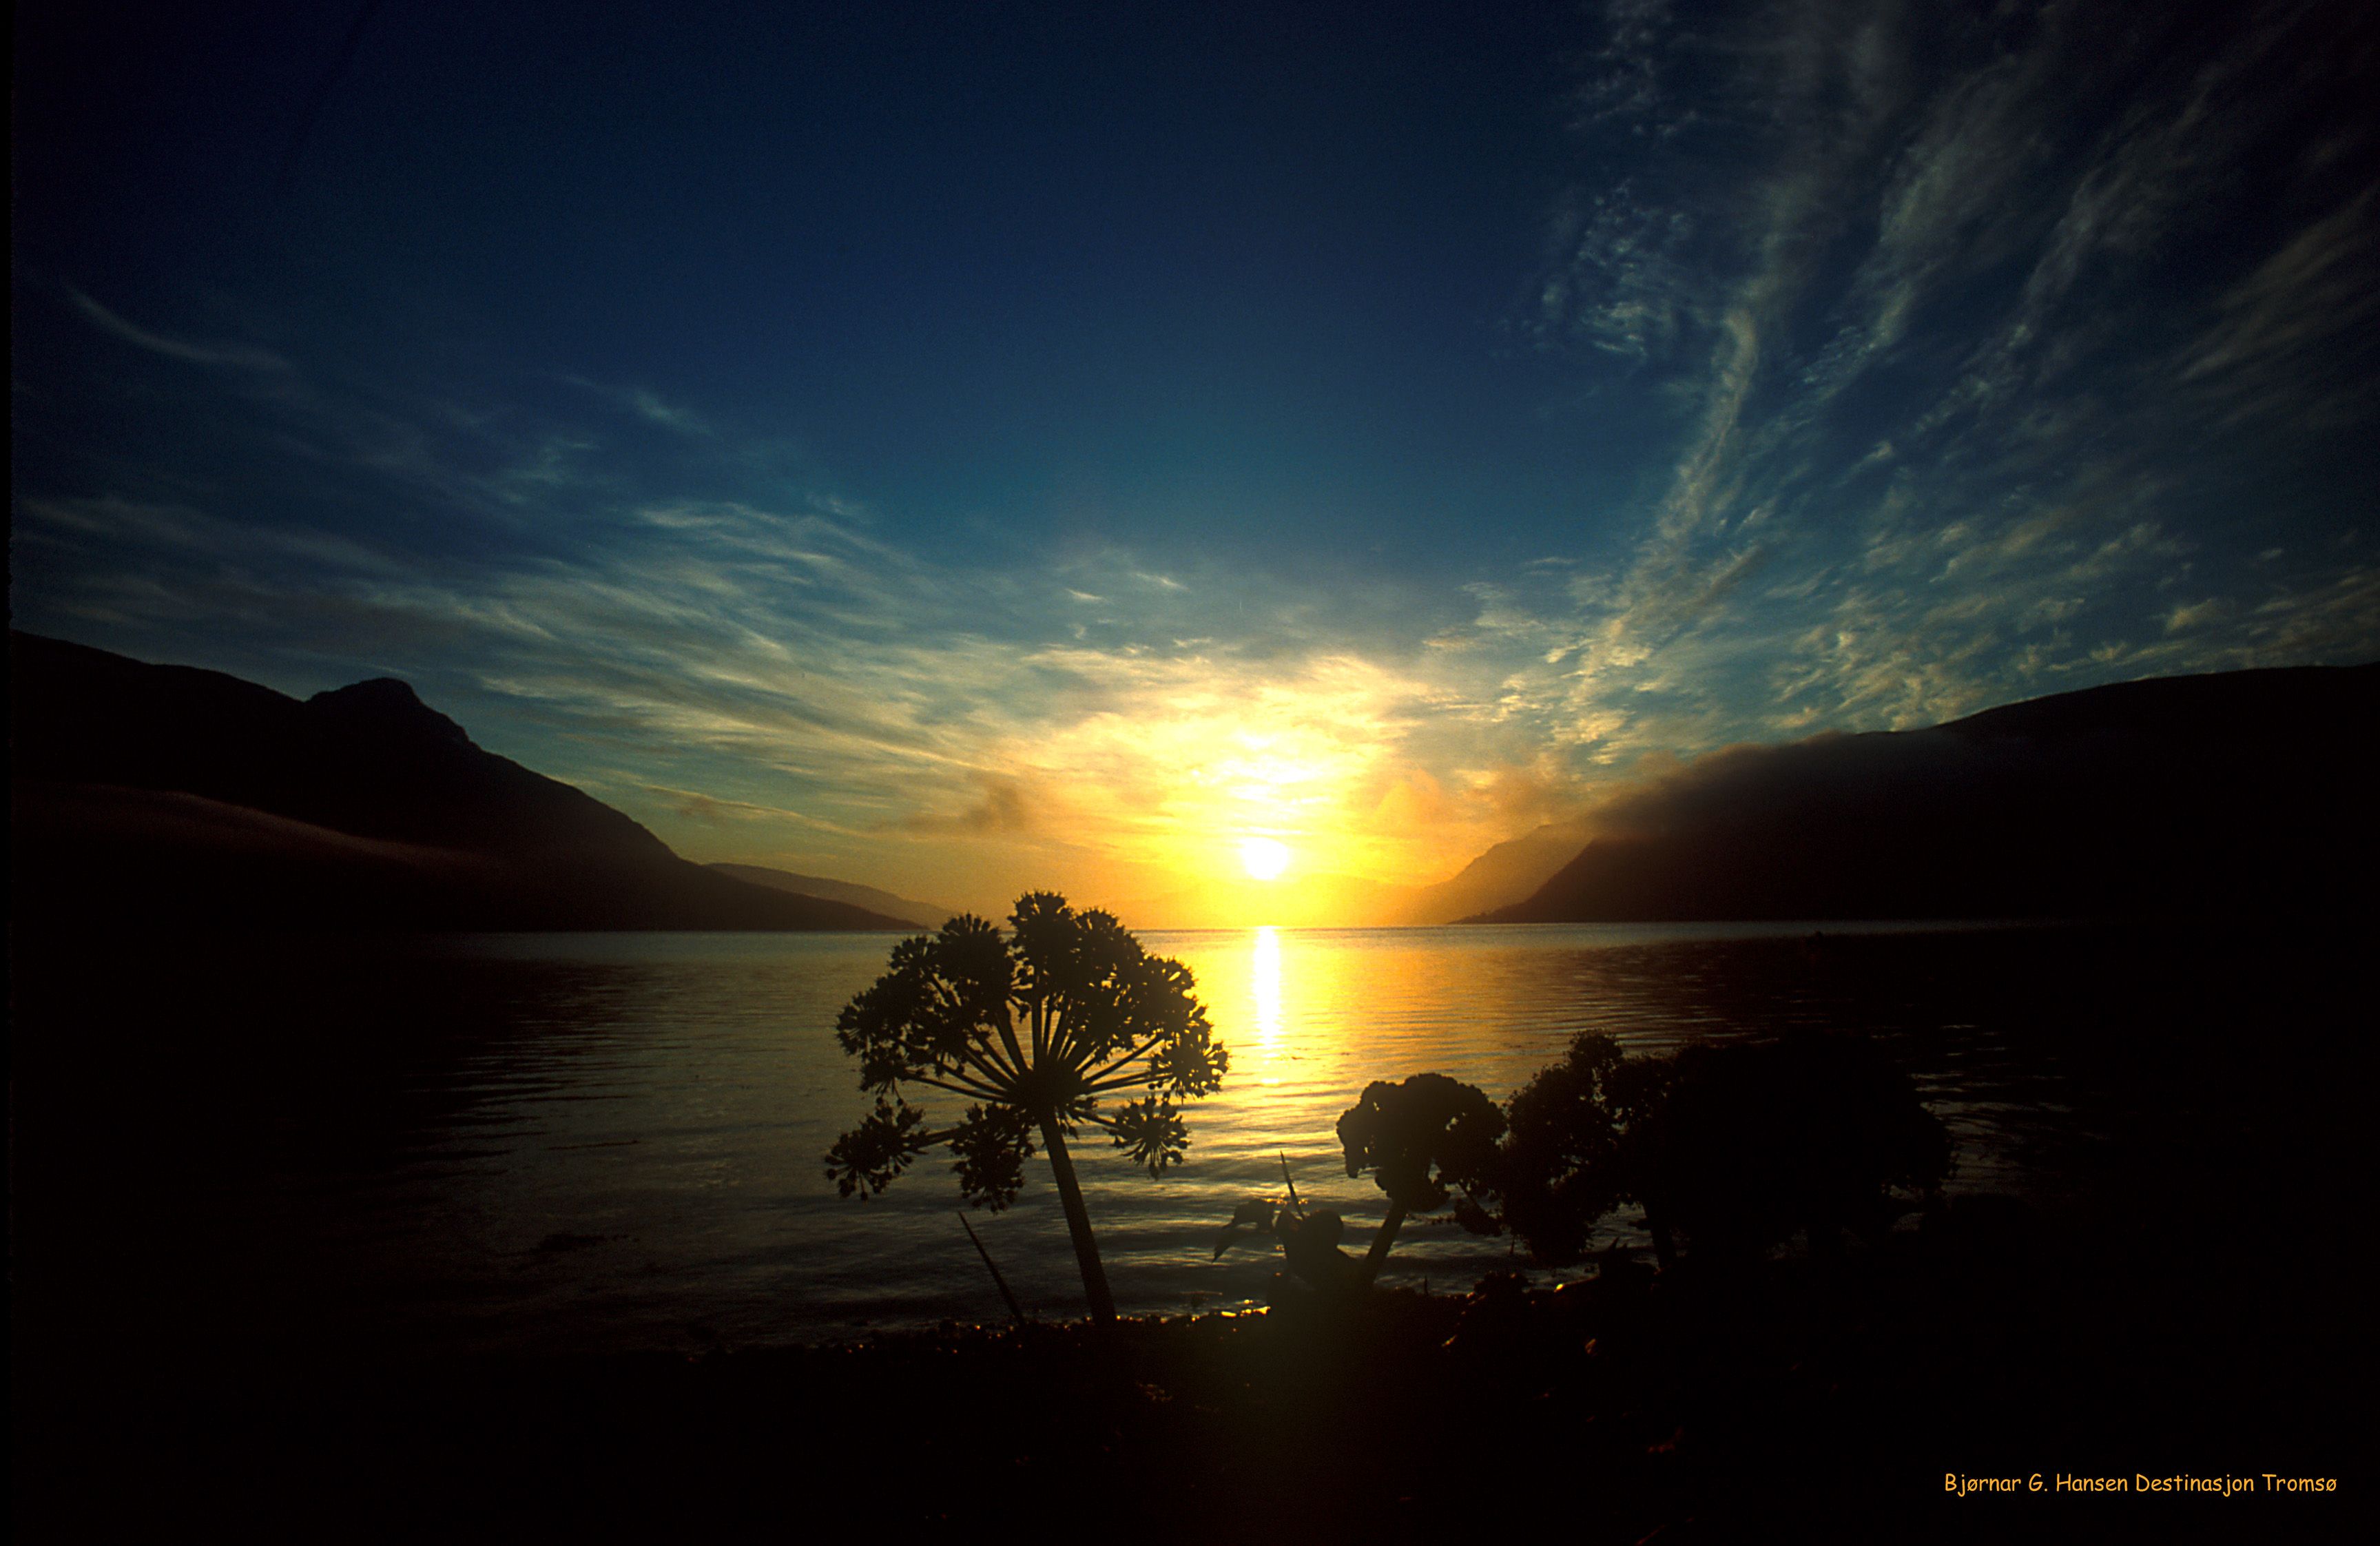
point(170, 795)
point(2228, 792)
point(925, 915)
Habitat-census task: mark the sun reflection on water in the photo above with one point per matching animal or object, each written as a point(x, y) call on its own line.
point(1264, 981)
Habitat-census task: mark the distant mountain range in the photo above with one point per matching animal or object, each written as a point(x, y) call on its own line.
point(1512, 869)
point(926, 915)
point(2248, 792)
point(164, 794)
point(170, 796)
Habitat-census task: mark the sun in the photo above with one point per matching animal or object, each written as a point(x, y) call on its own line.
point(1264, 859)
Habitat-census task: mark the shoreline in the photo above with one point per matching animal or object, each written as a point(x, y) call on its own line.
point(1693, 1403)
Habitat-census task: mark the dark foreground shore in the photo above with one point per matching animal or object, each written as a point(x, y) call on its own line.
point(1890, 1394)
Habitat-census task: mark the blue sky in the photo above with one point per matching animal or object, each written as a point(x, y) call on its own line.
point(966, 448)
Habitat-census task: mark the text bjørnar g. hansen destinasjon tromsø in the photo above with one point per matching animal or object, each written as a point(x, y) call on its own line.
point(2060, 1482)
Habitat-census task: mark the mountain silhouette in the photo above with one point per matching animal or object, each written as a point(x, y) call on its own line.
point(1513, 869)
point(2243, 792)
point(925, 915)
point(173, 796)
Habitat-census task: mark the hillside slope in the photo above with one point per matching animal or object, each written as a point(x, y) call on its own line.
point(2246, 791)
point(925, 915)
point(170, 796)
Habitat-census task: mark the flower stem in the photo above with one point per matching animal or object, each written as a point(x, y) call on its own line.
point(1078, 1225)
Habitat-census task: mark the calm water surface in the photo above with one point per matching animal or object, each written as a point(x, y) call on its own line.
point(576, 1141)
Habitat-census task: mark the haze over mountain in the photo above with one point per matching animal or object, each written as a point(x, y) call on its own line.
point(161, 793)
point(1510, 869)
point(926, 915)
point(2245, 792)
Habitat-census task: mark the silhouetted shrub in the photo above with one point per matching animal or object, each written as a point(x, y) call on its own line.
point(1734, 1147)
point(1815, 1133)
point(1571, 1152)
point(1417, 1139)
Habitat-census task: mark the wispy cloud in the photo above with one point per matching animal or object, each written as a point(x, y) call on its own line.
point(233, 356)
point(1618, 281)
point(647, 405)
point(1006, 808)
point(2273, 329)
point(1990, 222)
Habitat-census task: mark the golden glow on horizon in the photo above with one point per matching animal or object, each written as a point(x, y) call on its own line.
point(1264, 857)
point(1205, 793)
point(1191, 758)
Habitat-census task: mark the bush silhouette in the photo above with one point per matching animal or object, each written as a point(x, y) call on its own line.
point(1035, 1028)
point(1417, 1139)
point(1573, 1150)
point(1733, 1146)
point(1813, 1133)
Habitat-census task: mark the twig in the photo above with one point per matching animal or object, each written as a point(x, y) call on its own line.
point(997, 1280)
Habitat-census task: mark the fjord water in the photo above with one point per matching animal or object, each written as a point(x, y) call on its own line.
point(598, 1141)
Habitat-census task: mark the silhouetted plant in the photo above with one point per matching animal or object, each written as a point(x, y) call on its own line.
point(1813, 1132)
point(1036, 1027)
point(1736, 1147)
point(1309, 1238)
point(1417, 1139)
point(1573, 1150)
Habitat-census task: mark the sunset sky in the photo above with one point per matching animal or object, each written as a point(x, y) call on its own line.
point(969, 448)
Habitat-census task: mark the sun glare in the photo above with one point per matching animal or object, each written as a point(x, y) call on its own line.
point(1264, 859)
point(1264, 976)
